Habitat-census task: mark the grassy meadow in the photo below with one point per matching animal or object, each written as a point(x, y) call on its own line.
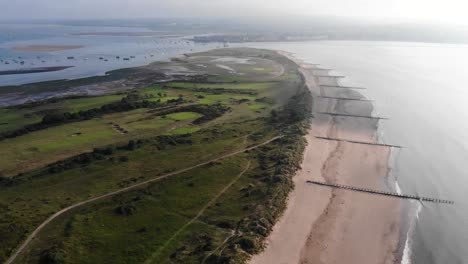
point(220, 212)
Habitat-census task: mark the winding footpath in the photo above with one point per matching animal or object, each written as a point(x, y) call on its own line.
point(129, 188)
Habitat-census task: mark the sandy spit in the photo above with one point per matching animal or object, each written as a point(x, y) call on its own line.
point(324, 225)
point(47, 48)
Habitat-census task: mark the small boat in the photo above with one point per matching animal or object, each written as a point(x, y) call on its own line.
point(126, 59)
point(70, 58)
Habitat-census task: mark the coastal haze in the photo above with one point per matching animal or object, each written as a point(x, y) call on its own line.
point(367, 94)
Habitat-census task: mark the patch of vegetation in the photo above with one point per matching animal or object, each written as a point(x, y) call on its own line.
point(258, 106)
point(209, 112)
point(183, 116)
point(183, 130)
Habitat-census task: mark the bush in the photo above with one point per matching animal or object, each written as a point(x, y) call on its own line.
point(125, 210)
point(123, 159)
point(248, 244)
point(217, 259)
point(55, 255)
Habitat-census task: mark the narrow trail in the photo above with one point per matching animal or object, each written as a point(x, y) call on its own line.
point(233, 234)
point(61, 212)
point(200, 213)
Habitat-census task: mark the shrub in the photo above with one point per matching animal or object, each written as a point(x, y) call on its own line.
point(123, 159)
point(54, 255)
point(125, 210)
point(248, 244)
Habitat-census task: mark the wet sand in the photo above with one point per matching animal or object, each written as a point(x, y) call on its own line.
point(47, 48)
point(325, 225)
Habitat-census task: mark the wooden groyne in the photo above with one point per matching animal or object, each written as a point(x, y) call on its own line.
point(358, 189)
point(348, 115)
point(342, 87)
point(359, 142)
point(342, 98)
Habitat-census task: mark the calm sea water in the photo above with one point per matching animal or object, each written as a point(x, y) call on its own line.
point(422, 88)
point(86, 62)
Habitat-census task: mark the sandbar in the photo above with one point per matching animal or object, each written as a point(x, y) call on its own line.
point(47, 48)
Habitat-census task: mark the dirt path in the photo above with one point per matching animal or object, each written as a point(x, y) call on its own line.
point(59, 213)
point(200, 213)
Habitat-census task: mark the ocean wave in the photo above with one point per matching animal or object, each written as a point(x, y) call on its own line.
point(407, 252)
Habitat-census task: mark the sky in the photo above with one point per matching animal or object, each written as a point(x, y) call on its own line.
point(436, 11)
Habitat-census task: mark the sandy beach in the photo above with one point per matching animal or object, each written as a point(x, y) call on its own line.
point(47, 48)
point(325, 225)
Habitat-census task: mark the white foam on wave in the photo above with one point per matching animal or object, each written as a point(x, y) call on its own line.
point(397, 188)
point(407, 253)
point(415, 207)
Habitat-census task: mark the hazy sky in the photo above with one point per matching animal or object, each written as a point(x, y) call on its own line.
point(451, 11)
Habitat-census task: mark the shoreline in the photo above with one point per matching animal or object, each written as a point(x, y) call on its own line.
point(322, 225)
point(35, 70)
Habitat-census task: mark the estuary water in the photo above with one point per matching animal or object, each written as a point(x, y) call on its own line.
point(422, 89)
point(103, 49)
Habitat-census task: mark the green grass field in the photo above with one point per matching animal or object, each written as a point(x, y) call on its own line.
point(183, 130)
point(46, 146)
point(43, 147)
point(238, 86)
point(184, 116)
point(258, 106)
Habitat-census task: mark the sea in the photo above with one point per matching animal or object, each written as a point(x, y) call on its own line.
point(422, 89)
point(419, 86)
